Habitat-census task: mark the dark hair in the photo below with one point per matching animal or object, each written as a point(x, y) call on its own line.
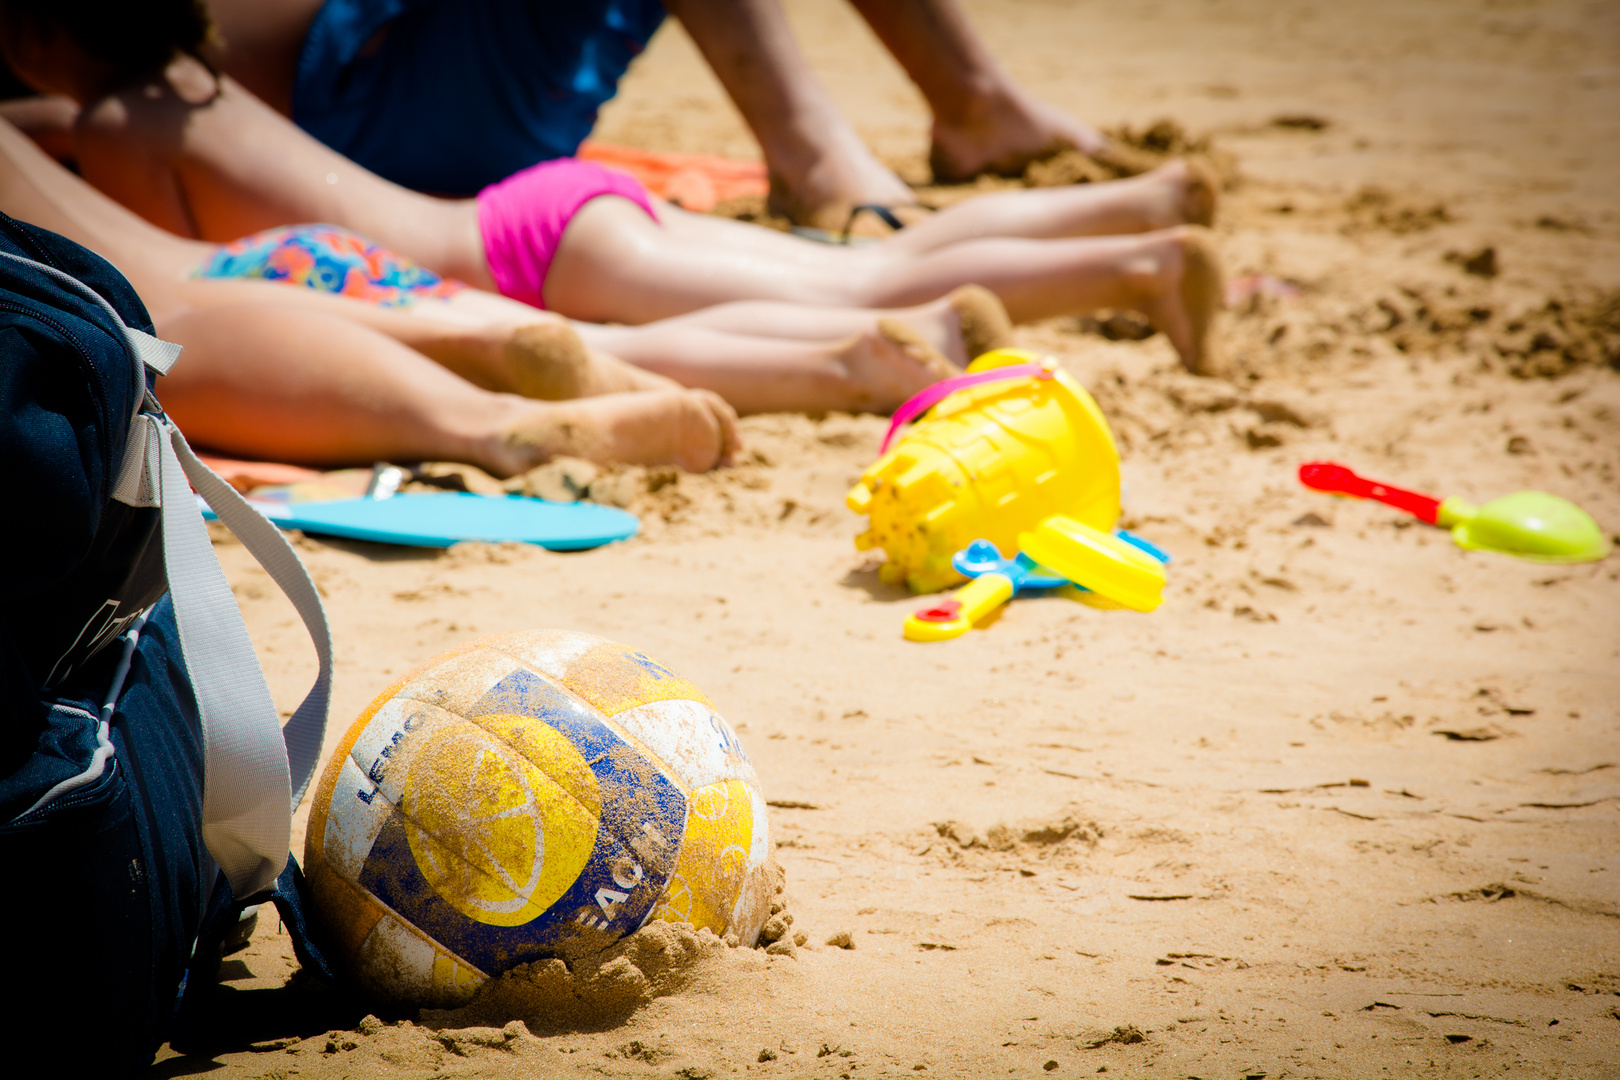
point(137, 37)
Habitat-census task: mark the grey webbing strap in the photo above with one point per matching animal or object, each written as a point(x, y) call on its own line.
point(304, 733)
point(247, 785)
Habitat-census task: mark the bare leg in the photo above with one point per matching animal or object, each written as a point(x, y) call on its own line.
point(818, 165)
point(968, 322)
point(882, 359)
point(873, 370)
point(1177, 193)
point(492, 342)
point(983, 121)
point(307, 387)
point(615, 265)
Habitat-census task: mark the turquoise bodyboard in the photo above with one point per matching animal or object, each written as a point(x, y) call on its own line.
point(439, 519)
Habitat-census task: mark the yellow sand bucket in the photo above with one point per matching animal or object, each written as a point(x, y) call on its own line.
point(1008, 445)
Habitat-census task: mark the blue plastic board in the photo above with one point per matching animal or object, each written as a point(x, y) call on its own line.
point(444, 518)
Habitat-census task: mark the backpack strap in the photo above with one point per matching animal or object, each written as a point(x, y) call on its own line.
point(305, 731)
point(255, 771)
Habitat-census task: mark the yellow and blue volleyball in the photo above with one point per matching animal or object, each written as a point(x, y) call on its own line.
point(529, 795)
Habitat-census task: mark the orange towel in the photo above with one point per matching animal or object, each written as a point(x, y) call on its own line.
point(244, 476)
point(692, 181)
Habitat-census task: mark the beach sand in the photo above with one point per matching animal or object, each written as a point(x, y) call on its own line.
point(1348, 804)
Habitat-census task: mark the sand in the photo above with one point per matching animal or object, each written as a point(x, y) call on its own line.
point(1348, 804)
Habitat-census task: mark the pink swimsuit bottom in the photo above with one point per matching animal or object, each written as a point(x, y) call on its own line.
point(523, 217)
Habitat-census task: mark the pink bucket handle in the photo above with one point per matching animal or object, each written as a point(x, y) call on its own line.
point(930, 396)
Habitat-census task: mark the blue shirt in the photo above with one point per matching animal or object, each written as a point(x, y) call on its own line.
point(449, 96)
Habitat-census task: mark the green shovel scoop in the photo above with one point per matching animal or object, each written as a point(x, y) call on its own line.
point(1528, 524)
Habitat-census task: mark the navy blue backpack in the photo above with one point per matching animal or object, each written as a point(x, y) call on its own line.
point(146, 784)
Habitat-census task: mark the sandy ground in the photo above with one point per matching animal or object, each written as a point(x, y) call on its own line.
point(1348, 804)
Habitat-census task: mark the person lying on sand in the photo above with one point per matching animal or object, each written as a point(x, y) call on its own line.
point(450, 96)
point(198, 155)
point(409, 366)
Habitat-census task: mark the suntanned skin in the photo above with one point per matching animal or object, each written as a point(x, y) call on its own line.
point(210, 160)
point(240, 183)
point(265, 362)
point(292, 384)
point(983, 120)
point(383, 386)
point(819, 167)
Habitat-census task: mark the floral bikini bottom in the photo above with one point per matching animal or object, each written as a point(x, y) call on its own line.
point(328, 259)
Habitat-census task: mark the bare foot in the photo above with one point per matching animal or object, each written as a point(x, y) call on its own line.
point(1004, 132)
point(981, 320)
point(886, 366)
point(961, 327)
point(1182, 294)
point(548, 361)
point(1180, 192)
point(822, 195)
point(693, 429)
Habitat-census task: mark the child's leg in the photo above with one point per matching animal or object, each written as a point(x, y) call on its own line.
point(1178, 193)
point(968, 322)
point(303, 386)
point(872, 370)
point(616, 265)
point(1172, 277)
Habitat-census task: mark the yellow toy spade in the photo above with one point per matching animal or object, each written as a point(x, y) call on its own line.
point(1527, 524)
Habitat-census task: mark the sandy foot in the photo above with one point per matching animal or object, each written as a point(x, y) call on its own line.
point(890, 364)
point(1180, 192)
point(981, 321)
point(548, 361)
point(1003, 135)
point(822, 196)
point(1183, 296)
point(693, 429)
point(965, 324)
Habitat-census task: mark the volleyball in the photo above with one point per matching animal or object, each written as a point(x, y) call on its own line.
point(529, 795)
